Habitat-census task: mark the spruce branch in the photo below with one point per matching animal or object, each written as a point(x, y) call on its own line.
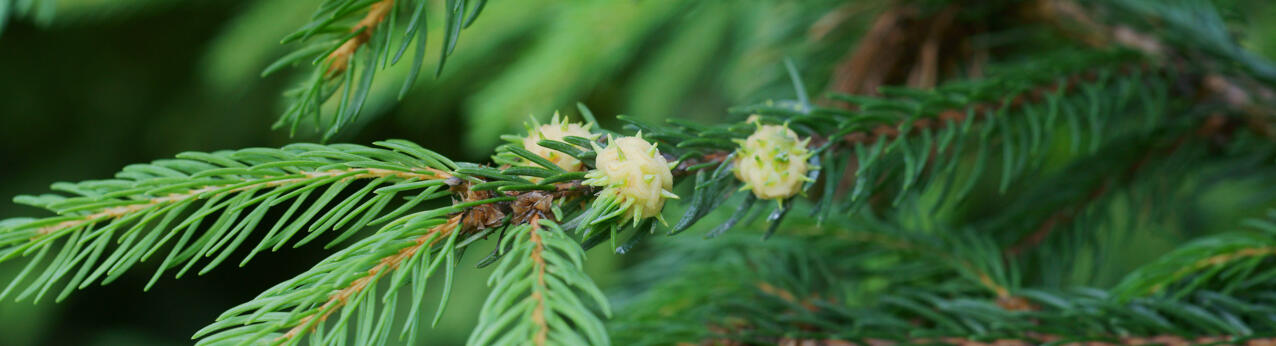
point(338, 59)
point(341, 68)
point(407, 252)
point(113, 213)
point(534, 293)
point(387, 264)
point(911, 135)
point(489, 194)
point(1216, 259)
point(149, 206)
point(715, 297)
point(941, 252)
point(1065, 215)
point(549, 186)
point(1193, 26)
point(1175, 32)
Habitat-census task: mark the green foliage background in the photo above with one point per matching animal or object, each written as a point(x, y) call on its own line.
point(108, 83)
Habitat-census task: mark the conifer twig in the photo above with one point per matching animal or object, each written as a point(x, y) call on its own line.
point(1033, 339)
point(955, 116)
point(950, 117)
point(193, 194)
point(1218, 260)
point(982, 277)
point(538, 313)
point(386, 265)
point(1212, 126)
point(338, 59)
point(1067, 214)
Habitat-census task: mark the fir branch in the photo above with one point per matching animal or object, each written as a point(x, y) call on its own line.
point(1168, 339)
point(1059, 234)
point(303, 306)
point(377, 12)
point(384, 266)
point(343, 73)
point(1062, 217)
point(760, 292)
point(954, 116)
point(538, 261)
point(1221, 257)
point(719, 300)
point(313, 297)
point(538, 280)
point(407, 252)
point(911, 136)
point(911, 242)
point(1194, 25)
point(149, 206)
point(343, 175)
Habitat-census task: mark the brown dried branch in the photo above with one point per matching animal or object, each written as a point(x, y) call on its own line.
point(877, 51)
point(907, 46)
point(925, 73)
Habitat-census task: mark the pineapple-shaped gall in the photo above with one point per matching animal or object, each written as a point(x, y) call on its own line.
point(772, 162)
point(557, 129)
point(635, 179)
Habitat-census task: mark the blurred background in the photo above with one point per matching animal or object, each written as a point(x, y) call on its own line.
point(103, 84)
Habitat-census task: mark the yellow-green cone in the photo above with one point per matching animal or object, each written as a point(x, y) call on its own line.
point(635, 179)
point(772, 162)
point(556, 130)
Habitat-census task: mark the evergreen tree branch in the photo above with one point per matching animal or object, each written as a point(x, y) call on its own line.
point(515, 181)
point(150, 206)
point(407, 252)
point(1065, 215)
point(537, 281)
point(1170, 30)
point(304, 305)
point(913, 243)
point(346, 280)
point(1194, 25)
point(1167, 339)
point(765, 292)
point(341, 69)
point(538, 261)
point(718, 301)
point(1223, 260)
point(384, 266)
point(911, 135)
point(113, 213)
point(377, 12)
point(1060, 234)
